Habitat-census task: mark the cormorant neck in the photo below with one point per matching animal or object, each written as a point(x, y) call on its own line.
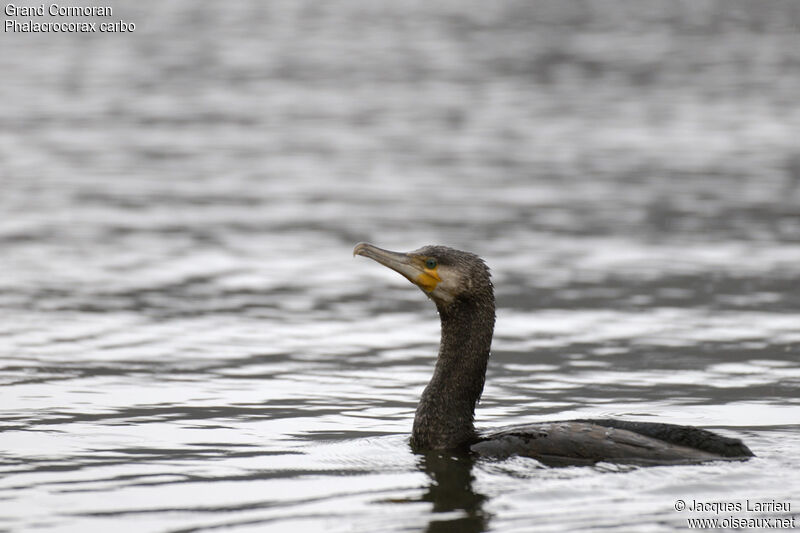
point(444, 417)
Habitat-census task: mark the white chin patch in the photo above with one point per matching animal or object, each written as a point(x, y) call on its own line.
point(447, 289)
point(441, 295)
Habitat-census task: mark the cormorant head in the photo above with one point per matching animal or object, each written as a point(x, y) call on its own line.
point(444, 274)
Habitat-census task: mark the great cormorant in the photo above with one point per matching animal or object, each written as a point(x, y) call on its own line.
point(460, 285)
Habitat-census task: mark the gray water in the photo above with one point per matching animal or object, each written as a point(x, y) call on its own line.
point(187, 344)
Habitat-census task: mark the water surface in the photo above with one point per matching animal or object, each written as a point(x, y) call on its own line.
point(188, 345)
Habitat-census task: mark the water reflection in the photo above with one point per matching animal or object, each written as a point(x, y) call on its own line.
point(451, 492)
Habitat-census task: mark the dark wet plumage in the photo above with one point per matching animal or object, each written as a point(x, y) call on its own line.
point(460, 285)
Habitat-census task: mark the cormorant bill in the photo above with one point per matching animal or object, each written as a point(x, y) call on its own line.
point(460, 285)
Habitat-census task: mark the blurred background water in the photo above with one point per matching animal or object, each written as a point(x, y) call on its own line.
point(187, 344)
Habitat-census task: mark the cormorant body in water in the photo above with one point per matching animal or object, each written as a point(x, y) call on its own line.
point(459, 284)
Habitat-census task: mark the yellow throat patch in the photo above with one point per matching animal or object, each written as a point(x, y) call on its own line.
point(429, 279)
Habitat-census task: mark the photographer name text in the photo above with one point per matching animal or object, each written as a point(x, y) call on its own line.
point(771, 506)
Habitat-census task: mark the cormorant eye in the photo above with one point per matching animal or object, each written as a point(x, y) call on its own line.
point(430, 263)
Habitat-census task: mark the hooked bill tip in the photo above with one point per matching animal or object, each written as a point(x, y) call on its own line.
point(360, 248)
